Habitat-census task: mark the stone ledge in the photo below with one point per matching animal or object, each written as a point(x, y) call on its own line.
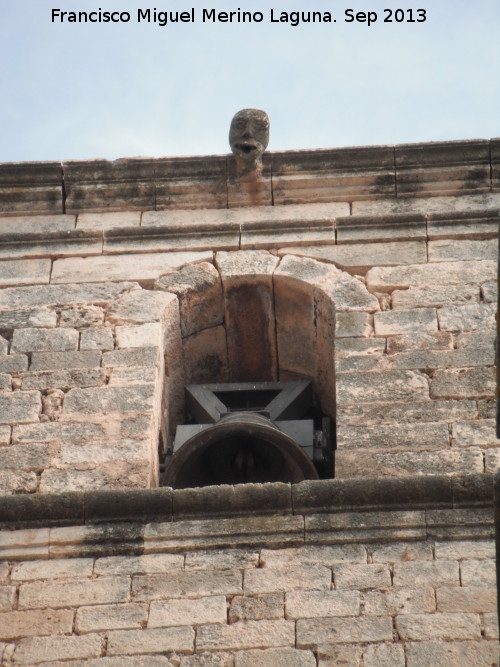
point(339, 174)
point(309, 497)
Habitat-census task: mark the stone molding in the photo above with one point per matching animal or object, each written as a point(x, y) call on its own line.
point(422, 493)
point(342, 174)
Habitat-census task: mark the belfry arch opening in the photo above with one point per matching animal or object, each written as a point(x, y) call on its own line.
point(248, 322)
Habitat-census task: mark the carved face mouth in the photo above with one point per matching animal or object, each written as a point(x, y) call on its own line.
point(248, 149)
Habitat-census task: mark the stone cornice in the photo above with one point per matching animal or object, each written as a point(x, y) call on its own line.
point(342, 174)
point(309, 497)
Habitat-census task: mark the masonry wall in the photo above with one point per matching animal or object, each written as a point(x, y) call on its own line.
point(300, 590)
point(391, 315)
point(371, 271)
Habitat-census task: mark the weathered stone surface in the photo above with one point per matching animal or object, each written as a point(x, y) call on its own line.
point(74, 592)
point(219, 659)
point(251, 634)
point(416, 411)
point(460, 549)
point(199, 583)
point(81, 316)
point(140, 335)
point(138, 564)
point(417, 321)
point(426, 573)
point(428, 359)
point(52, 569)
point(384, 655)
point(435, 296)
point(370, 463)
point(100, 338)
point(108, 220)
point(489, 291)
point(79, 377)
point(249, 314)
point(330, 655)
point(130, 661)
point(423, 627)
point(424, 205)
point(354, 576)
point(278, 657)
point(384, 436)
point(199, 290)
point(337, 630)
point(8, 598)
point(30, 224)
point(359, 257)
point(188, 612)
point(25, 544)
point(352, 324)
point(139, 307)
point(221, 559)
point(111, 475)
point(316, 604)
point(394, 601)
point(478, 432)
point(467, 599)
point(41, 361)
point(143, 267)
point(421, 342)
point(20, 407)
point(491, 625)
point(18, 482)
point(131, 642)
point(381, 386)
point(205, 356)
point(264, 236)
point(474, 572)
point(467, 318)
point(148, 356)
point(386, 279)
point(34, 650)
point(31, 340)
point(347, 292)
point(324, 554)
point(4, 345)
point(401, 551)
point(138, 398)
point(20, 319)
point(453, 654)
point(24, 272)
point(52, 295)
point(464, 383)
point(402, 228)
point(75, 431)
point(268, 606)
point(19, 457)
point(460, 250)
point(110, 617)
point(16, 624)
point(263, 580)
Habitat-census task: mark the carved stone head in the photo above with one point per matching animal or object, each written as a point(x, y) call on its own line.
point(248, 138)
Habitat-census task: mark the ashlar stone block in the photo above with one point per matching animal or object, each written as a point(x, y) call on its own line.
point(16, 624)
point(34, 340)
point(156, 640)
point(35, 650)
point(386, 279)
point(104, 617)
point(445, 627)
point(435, 296)
point(317, 604)
point(188, 612)
point(278, 657)
point(311, 632)
point(467, 318)
point(267, 606)
point(246, 635)
point(454, 653)
point(416, 321)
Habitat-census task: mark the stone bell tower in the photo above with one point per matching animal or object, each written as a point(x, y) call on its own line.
point(247, 407)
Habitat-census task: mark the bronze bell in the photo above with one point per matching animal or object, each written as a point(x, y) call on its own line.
point(250, 437)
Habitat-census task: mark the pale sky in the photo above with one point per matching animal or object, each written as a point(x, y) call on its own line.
point(70, 91)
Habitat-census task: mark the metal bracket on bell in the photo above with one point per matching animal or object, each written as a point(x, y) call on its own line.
point(250, 432)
